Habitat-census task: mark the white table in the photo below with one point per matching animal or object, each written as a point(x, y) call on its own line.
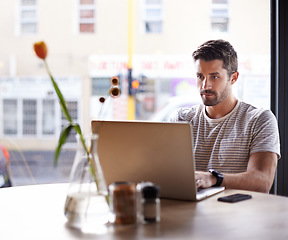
point(36, 212)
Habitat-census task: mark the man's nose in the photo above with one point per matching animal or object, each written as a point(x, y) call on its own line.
point(206, 84)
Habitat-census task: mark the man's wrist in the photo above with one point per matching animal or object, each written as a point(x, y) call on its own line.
point(219, 177)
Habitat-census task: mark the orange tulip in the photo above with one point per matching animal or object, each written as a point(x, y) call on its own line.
point(40, 49)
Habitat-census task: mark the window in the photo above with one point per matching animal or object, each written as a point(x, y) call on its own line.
point(48, 117)
point(28, 16)
point(87, 16)
point(29, 117)
point(153, 16)
point(219, 16)
point(21, 117)
point(100, 86)
point(10, 121)
point(83, 71)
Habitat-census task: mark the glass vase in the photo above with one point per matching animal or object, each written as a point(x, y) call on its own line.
point(86, 206)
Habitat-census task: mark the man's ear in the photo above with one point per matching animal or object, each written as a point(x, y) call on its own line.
point(234, 77)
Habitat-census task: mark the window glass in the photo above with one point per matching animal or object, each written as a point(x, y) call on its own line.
point(29, 117)
point(220, 1)
point(219, 16)
point(100, 86)
point(10, 118)
point(88, 43)
point(153, 2)
point(86, 27)
point(49, 117)
point(153, 16)
point(153, 13)
point(28, 21)
point(28, 14)
point(87, 16)
point(28, 27)
point(220, 12)
point(28, 2)
point(88, 2)
point(219, 24)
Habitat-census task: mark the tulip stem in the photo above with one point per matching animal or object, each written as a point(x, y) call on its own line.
point(76, 127)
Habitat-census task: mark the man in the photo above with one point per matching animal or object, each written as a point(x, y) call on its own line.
point(236, 145)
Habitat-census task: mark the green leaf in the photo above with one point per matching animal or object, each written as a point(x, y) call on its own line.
point(62, 139)
point(77, 128)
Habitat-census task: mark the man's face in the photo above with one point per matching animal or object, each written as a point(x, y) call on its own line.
point(212, 81)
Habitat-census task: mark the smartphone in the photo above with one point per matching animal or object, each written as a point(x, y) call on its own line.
point(234, 198)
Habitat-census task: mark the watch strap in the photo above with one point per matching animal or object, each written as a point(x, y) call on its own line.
point(219, 176)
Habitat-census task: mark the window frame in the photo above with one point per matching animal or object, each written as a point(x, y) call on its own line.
point(220, 18)
point(59, 121)
point(279, 87)
point(146, 18)
point(32, 20)
point(86, 20)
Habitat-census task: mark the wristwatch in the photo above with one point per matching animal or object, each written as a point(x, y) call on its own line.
point(218, 175)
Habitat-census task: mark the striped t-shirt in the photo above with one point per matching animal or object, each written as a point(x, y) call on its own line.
point(225, 144)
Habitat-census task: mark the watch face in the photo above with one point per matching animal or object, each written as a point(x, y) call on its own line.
point(216, 173)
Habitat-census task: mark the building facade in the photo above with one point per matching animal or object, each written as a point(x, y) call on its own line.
point(88, 44)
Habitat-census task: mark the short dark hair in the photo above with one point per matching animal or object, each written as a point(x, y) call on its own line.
point(218, 50)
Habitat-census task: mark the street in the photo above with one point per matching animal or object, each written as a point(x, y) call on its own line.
point(37, 167)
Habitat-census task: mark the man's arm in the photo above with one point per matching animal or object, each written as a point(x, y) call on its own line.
point(258, 177)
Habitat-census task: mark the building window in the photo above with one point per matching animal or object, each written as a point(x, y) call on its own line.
point(72, 107)
point(153, 16)
point(100, 86)
point(219, 16)
point(10, 122)
point(87, 16)
point(48, 117)
point(29, 117)
point(21, 117)
point(28, 16)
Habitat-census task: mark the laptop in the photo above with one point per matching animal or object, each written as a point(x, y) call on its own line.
point(158, 152)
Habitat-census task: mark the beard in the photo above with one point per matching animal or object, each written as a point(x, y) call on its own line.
point(214, 97)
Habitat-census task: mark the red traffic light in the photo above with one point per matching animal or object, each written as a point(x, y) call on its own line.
point(135, 84)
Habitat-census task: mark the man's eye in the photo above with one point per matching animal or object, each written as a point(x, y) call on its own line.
point(200, 77)
point(215, 77)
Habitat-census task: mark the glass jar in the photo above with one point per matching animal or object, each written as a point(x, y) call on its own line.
point(123, 203)
point(150, 207)
point(87, 202)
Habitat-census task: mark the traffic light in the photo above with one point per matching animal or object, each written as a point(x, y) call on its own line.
point(135, 84)
point(141, 84)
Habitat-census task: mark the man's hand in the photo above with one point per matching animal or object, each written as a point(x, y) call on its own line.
point(204, 179)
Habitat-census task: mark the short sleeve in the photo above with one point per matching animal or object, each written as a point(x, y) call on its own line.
point(266, 134)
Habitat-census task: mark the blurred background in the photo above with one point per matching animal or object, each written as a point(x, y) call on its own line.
point(147, 44)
